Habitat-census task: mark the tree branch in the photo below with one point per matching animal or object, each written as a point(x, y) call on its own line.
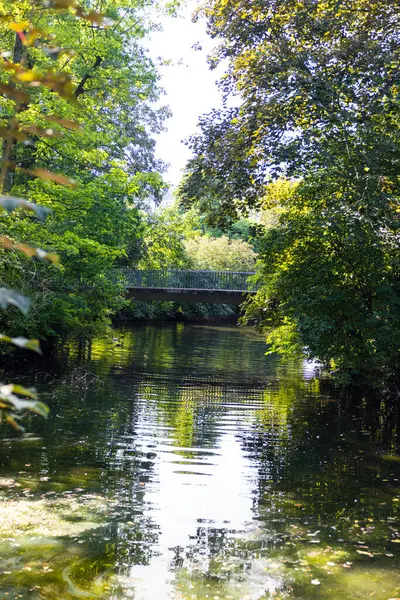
point(81, 86)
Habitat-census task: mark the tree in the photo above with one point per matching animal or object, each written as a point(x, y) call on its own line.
point(172, 239)
point(312, 77)
point(53, 118)
point(163, 243)
point(98, 133)
point(221, 254)
point(317, 84)
point(16, 400)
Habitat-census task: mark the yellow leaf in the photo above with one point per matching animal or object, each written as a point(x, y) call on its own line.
point(49, 176)
point(11, 92)
point(67, 123)
point(92, 16)
point(14, 423)
point(18, 27)
point(28, 76)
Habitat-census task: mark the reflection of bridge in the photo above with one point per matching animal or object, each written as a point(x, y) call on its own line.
point(217, 287)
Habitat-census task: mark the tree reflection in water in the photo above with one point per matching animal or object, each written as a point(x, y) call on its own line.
point(192, 466)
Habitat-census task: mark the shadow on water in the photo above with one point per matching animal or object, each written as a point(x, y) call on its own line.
point(180, 462)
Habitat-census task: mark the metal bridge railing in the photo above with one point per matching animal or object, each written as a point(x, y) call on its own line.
point(232, 281)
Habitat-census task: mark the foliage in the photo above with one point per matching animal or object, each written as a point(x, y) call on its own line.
point(163, 239)
point(180, 311)
point(82, 107)
point(172, 240)
point(277, 194)
point(325, 296)
point(97, 131)
point(221, 254)
point(312, 78)
point(177, 238)
point(16, 400)
point(318, 101)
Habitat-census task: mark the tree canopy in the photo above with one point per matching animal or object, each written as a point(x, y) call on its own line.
point(221, 254)
point(86, 152)
point(317, 87)
point(317, 100)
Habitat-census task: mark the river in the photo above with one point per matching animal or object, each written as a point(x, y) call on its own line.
point(180, 462)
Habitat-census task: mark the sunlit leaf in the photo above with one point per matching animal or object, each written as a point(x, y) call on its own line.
point(27, 76)
point(10, 203)
point(28, 405)
point(92, 16)
point(10, 400)
point(50, 256)
point(22, 342)
point(6, 390)
point(12, 421)
point(18, 27)
point(6, 242)
point(40, 408)
point(8, 296)
point(28, 250)
point(49, 176)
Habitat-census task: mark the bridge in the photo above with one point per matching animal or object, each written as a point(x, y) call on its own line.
point(216, 287)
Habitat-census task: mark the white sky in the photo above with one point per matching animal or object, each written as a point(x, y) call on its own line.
point(189, 85)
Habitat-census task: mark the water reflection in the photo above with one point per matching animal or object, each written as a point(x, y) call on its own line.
point(183, 463)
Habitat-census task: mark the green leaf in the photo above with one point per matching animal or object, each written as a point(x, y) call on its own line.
point(10, 203)
point(8, 296)
point(17, 389)
point(11, 419)
point(40, 408)
point(29, 406)
point(22, 342)
point(10, 401)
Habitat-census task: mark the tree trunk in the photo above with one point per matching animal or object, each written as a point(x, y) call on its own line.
point(8, 153)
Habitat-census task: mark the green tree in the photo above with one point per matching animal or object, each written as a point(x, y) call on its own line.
point(17, 400)
point(163, 241)
point(318, 88)
point(221, 254)
point(98, 133)
point(172, 239)
point(275, 201)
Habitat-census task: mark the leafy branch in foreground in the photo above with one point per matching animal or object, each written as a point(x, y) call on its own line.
point(13, 403)
point(19, 85)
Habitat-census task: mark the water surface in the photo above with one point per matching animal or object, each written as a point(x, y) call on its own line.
point(179, 462)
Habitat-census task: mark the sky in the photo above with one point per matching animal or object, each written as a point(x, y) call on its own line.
point(189, 85)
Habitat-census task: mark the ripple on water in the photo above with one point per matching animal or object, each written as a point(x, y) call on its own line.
point(200, 469)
